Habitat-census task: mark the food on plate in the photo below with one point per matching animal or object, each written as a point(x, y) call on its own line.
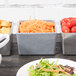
point(44, 68)
point(68, 25)
point(5, 27)
point(36, 26)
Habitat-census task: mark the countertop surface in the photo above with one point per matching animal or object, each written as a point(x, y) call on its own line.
point(11, 64)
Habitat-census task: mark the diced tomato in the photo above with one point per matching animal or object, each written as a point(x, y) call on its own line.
point(65, 29)
point(73, 29)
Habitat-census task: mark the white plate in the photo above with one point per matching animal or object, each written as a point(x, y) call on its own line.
point(23, 71)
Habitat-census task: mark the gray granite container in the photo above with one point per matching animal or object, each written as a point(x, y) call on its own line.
point(36, 43)
point(68, 43)
point(6, 50)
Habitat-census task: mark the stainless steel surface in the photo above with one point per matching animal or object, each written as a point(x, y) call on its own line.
point(69, 43)
point(36, 43)
point(6, 50)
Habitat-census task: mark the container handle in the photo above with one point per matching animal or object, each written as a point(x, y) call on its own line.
point(4, 42)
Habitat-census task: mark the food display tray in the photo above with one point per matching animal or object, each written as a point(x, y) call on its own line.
point(36, 43)
point(68, 43)
point(6, 50)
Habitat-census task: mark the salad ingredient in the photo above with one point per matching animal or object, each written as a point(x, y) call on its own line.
point(67, 24)
point(73, 22)
point(5, 30)
point(44, 68)
point(4, 23)
point(73, 29)
point(65, 29)
point(36, 26)
point(71, 18)
point(64, 20)
point(5, 27)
